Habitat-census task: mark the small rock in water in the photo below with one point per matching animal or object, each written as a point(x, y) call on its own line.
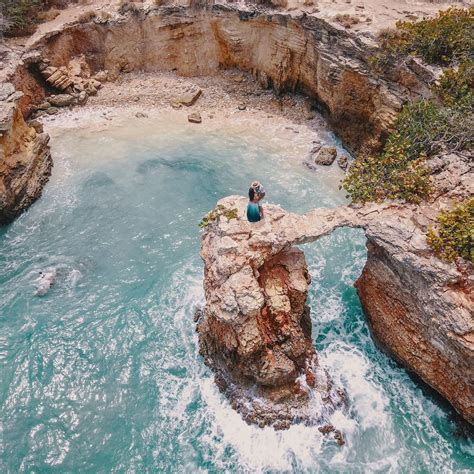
point(44, 282)
point(74, 277)
point(312, 166)
point(194, 118)
point(343, 161)
point(326, 156)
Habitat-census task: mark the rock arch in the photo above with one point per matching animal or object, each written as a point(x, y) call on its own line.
point(254, 330)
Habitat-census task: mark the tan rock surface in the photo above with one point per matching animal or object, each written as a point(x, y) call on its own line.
point(25, 162)
point(419, 308)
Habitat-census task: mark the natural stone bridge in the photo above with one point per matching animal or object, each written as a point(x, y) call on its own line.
point(255, 330)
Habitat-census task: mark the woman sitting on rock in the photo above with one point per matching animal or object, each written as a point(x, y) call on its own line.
point(254, 208)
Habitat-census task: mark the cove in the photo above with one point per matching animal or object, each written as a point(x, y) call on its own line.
point(102, 374)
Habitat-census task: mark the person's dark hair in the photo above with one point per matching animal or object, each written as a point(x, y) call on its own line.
point(251, 194)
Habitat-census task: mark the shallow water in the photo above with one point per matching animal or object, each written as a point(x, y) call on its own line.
point(102, 373)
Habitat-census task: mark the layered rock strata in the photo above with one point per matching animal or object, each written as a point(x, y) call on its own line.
point(254, 330)
point(284, 51)
point(25, 159)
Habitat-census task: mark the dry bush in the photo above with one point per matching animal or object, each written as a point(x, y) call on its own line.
point(127, 6)
point(48, 15)
point(346, 20)
point(87, 16)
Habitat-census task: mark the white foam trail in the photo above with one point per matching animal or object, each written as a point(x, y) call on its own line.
point(257, 449)
point(351, 368)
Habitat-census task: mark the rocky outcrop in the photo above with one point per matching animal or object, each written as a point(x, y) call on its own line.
point(254, 330)
point(25, 160)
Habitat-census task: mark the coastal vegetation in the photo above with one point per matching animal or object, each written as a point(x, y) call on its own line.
point(454, 233)
point(20, 17)
point(219, 211)
point(426, 127)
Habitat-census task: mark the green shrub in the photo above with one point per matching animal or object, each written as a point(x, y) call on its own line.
point(421, 130)
point(446, 39)
point(219, 211)
point(427, 127)
point(388, 176)
point(21, 16)
point(456, 85)
point(454, 236)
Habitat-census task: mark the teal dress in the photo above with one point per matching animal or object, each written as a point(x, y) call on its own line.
point(253, 212)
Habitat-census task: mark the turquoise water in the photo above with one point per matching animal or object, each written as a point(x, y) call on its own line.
point(102, 373)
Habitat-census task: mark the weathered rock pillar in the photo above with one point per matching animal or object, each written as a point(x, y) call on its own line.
point(255, 330)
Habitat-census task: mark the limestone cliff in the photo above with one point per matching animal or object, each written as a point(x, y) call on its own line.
point(284, 51)
point(25, 159)
point(419, 308)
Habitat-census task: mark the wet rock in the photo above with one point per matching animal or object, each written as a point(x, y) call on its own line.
point(326, 156)
point(343, 161)
point(61, 100)
point(310, 164)
point(195, 117)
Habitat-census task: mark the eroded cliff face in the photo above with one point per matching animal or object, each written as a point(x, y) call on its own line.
point(423, 322)
point(283, 51)
point(25, 159)
point(419, 308)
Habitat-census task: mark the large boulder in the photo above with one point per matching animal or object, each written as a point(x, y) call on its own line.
point(61, 100)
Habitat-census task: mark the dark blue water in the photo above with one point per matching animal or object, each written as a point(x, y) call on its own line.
point(102, 373)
